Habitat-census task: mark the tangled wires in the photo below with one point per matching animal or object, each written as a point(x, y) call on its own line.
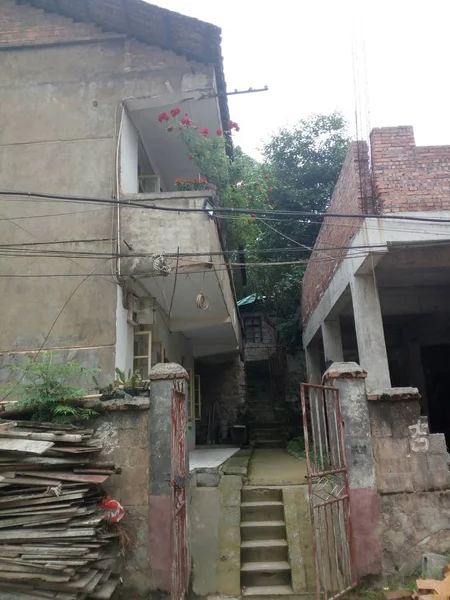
point(160, 263)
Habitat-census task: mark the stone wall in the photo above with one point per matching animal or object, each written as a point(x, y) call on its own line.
point(413, 480)
point(125, 435)
point(411, 525)
point(407, 457)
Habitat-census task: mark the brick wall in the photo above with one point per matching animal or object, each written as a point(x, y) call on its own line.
point(20, 25)
point(407, 177)
point(337, 232)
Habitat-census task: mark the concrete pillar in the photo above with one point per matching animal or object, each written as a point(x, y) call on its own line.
point(332, 341)
point(313, 372)
point(163, 377)
point(349, 378)
point(369, 331)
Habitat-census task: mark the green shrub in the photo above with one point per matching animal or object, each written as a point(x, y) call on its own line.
point(46, 384)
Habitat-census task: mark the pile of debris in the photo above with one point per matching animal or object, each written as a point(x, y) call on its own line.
point(55, 540)
point(427, 589)
point(434, 589)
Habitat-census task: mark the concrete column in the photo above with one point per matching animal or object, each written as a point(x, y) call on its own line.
point(369, 331)
point(313, 373)
point(349, 378)
point(163, 378)
point(332, 341)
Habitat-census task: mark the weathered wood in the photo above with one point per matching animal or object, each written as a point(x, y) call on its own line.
point(29, 446)
point(43, 437)
point(65, 476)
point(38, 534)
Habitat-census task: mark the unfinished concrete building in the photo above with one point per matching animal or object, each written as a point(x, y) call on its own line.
point(376, 293)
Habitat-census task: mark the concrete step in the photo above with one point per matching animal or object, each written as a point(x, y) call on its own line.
point(267, 590)
point(263, 530)
point(274, 443)
point(261, 494)
point(265, 573)
point(273, 592)
point(264, 550)
point(266, 510)
point(266, 566)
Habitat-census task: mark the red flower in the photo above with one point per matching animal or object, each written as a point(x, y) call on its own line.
point(186, 114)
point(170, 129)
point(190, 157)
point(178, 180)
point(186, 121)
point(253, 215)
point(270, 190)
point(233, 125)
point(266, 176)
point(204, 180)
point(163, 117)
point(204, 131)
point(219, 132)
point(174, 112)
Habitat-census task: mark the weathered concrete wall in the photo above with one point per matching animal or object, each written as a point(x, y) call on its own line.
point(125, 436)
point(299, 536)
point(58, 135)
point(215, 538)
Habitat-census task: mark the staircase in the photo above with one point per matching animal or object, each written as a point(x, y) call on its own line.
point(267, 434)
point(265, 570)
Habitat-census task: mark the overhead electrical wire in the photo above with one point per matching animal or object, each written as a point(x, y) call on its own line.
point(213, 209)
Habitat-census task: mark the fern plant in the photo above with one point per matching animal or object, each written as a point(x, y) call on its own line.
point(46, 384)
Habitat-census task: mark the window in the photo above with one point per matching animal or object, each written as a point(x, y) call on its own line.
point(147, 352)
point(195, 397)
point(253, 329)
point(149, 182)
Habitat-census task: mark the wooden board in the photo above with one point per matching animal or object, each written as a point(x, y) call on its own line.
point(29, 446)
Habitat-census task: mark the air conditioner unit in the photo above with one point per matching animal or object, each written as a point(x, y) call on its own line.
point(140, 311)
point(149, 184)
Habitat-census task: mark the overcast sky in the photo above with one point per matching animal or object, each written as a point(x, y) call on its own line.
point(303, 50)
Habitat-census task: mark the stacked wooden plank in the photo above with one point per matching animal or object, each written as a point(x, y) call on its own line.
point(55, 542)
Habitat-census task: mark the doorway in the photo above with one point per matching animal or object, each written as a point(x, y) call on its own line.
point(436, 365)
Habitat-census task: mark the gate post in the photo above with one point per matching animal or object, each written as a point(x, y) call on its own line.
point(163, 481)
point(349, 379)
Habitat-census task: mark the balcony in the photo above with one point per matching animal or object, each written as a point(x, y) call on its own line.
point(151, 241)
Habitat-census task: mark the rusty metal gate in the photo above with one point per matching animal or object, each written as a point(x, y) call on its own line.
point(178, 484)
point(328, 491)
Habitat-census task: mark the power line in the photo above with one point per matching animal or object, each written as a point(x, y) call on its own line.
point(216, 209)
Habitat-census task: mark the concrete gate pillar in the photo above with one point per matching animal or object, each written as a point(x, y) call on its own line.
point(369, 331)
point(349, 378)
point(332, 341)
point(163, 377)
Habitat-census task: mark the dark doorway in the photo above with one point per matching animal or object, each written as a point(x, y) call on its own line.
point(436, 365)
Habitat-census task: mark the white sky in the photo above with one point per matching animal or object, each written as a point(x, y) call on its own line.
point(302, 49)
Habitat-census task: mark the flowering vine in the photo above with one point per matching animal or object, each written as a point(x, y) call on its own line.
point(241, 182)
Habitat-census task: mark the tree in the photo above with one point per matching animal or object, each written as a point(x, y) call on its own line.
point(304, 164)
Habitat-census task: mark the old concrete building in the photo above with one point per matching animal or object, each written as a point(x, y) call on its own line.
point(81, 85)
point(376, 292)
